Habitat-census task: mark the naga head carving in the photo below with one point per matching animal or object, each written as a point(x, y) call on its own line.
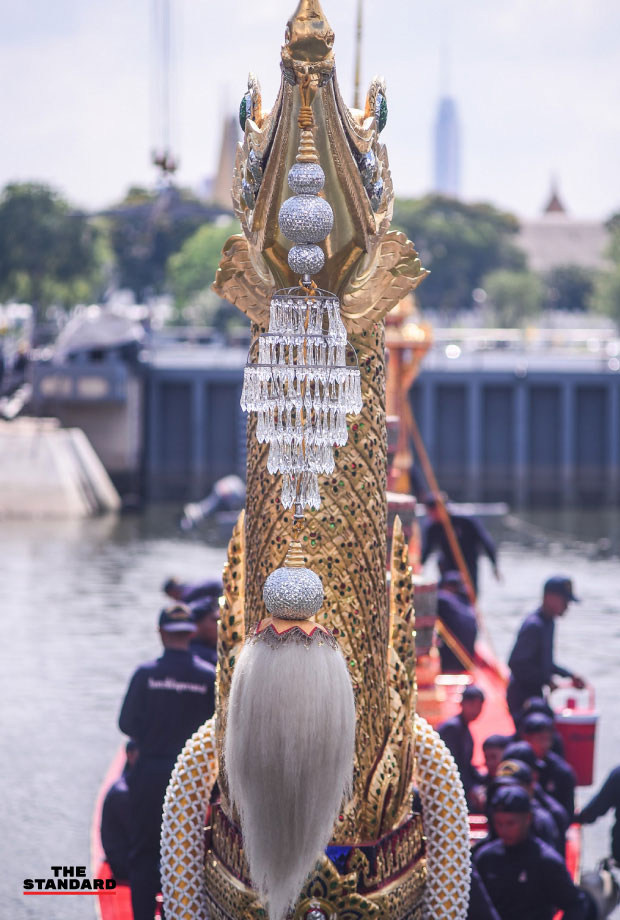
point(368, 266)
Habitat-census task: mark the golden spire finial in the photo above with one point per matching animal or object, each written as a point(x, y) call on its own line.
point(308, 37)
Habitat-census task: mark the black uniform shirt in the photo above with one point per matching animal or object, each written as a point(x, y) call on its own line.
point(531, 660)
point(473, 540)
point(459, 618)
point(167, 700)
point(457, 737)
point(480, 906)
point(557, 778)
point(204, 651)
point(607, 797)
point(528, 881)
point(116, 828)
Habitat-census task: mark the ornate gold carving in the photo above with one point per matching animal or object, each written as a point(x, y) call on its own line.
point(335, 894)
point(231, 632)
point(367, 266)
point(345, 542)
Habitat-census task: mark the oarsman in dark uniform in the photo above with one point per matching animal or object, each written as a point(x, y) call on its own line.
point(493, 749)
point(188, 593)
point(456, 613)
point(543, 825)
point(472, 538)
point(525, 878)
point(116, 819)
point(557, 777)
point(167, 700)
point(531, 660)
point(607, 797)
point(521, 750)
point(206, 615)
point(456, 735)
point(538, 704)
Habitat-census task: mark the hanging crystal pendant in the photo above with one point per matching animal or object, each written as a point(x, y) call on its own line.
point(301, 386)
point(302, 390)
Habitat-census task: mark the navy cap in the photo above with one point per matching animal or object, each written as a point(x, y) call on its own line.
point(536, 722)
point(521, 750)
point(472, 692)
point(177, 618)
point(517, 770)
point(496, 741)
point(560, 584)
point(536, 704)
point(511, 798)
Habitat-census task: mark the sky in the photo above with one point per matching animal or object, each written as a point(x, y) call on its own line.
point(536, 82)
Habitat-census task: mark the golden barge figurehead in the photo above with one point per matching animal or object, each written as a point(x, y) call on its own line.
point(385, 860)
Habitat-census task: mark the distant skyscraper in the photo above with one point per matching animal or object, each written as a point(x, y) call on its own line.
point(222, 182)
point(447, 149)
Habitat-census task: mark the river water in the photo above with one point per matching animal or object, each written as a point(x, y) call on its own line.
point(78, 603)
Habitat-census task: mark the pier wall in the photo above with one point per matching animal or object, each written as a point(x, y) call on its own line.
point(540, 439)
point(497, 428)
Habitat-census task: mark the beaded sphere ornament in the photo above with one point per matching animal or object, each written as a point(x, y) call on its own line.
point(293, 592)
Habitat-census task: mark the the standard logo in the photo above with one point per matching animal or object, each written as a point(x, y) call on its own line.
point(69, 880)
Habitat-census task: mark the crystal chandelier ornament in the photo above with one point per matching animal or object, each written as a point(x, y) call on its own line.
point(302, 386)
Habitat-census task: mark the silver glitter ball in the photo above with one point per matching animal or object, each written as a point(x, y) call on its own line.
point(306, 178)
point(306, 259)
point(306, 219)
point(293, 593)
point(315, 913)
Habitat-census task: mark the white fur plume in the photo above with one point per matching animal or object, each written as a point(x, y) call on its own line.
point(289, 749)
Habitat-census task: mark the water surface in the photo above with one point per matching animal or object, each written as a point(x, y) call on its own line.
point(79, 602)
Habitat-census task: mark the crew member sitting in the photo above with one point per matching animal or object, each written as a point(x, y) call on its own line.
point(457, 737)
point(116, 819)
point(543, 825)
point(525, 878)
point(166, 701)
point(539, 704)
point(557, 777)
point(493, 749)
point(522, 751)
point(457, 615)
point(607, 797)
point(531, 660)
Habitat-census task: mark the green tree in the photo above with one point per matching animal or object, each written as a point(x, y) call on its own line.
point(146, 229)
point(513, 295)
point(192, 269)
point(459, 243)
point(569, 287)
point(49, 253)
point(606, 294)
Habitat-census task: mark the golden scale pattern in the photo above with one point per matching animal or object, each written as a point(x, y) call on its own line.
point(345, 542)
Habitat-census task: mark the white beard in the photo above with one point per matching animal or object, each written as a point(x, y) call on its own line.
point(289, 749)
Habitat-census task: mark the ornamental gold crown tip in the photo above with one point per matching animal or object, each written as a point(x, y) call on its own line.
point(294, 558)
point(308, 37)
